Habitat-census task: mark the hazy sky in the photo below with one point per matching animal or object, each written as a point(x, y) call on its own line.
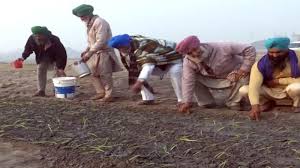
point(211, 20)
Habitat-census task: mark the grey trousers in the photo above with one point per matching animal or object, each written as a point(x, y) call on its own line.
point(42, 70)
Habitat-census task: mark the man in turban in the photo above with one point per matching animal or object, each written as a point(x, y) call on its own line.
point(144, 56)
point(214, 66)
point(275, 76)
point(100, 58)
point(49, 51)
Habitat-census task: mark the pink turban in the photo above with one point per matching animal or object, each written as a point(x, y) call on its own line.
point(188, 44)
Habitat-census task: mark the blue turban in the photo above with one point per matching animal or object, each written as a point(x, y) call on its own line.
point(281, 43)
point(120, 41)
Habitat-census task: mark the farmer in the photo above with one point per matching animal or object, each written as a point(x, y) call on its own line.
point(49, 51)
point(221, 66)
point(145, 56)
point(100, 58)
point(275, 76)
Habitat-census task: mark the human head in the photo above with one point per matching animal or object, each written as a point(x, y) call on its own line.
point(278, 49)
point(84, 12)
point(40, 34)
point(190, 45)
point(122, 43)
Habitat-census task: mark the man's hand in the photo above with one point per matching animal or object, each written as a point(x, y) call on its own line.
point(20, 59)
point(137, 87)
point(60, 73)
point(87, 56)
point(272, 83)
point(236, 75)
point(255, 113)
point(185, 108)
point(84, 52)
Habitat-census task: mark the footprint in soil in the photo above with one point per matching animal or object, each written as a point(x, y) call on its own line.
point(6, 85)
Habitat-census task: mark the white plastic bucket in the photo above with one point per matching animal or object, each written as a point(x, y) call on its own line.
point(64, 87)
point(81, 69)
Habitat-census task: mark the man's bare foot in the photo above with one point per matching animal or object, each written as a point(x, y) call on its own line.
point(39, 94)
point(209, 106)
point(97, 96)
point(296, 109)
point(106, 99)
point(179, 104)
point(240, 108)
point(146, 102)
point(268, 106)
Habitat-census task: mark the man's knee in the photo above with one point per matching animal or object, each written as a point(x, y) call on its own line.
point(106, 76)
point(107, 79)
point(293, 89)
point(40, 67)
point(244, 90)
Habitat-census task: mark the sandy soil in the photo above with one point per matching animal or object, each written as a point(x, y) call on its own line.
point(19, 155)
point(80, 133)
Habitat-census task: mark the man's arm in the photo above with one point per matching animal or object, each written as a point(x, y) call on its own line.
point(188, 86)
point(290, 80)
point(287, 81)
point(256, 81)
point(255, 84)
point(28, 50)
point(248, 53)
point(188, 81)
point(60, 56)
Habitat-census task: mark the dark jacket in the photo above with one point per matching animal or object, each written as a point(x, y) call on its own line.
point(55, 54)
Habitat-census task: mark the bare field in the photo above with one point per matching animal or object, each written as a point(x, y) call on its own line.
point(83, 134)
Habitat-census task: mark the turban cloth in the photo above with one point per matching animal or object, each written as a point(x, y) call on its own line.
point(40, 30)
point(281, 43)
point(188, 44)
point(120, 41)
point(83, 10)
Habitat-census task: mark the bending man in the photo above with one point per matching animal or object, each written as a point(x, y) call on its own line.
point(275, 76)
point(49, 51)
point(148, 56)
point(222, 66)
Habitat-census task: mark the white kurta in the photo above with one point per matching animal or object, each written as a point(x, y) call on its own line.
point(99, 33)
point(104, 60)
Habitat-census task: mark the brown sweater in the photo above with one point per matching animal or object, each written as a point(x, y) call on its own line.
point(55, 53)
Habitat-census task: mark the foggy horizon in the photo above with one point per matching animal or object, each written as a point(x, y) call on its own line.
point(215, 20)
